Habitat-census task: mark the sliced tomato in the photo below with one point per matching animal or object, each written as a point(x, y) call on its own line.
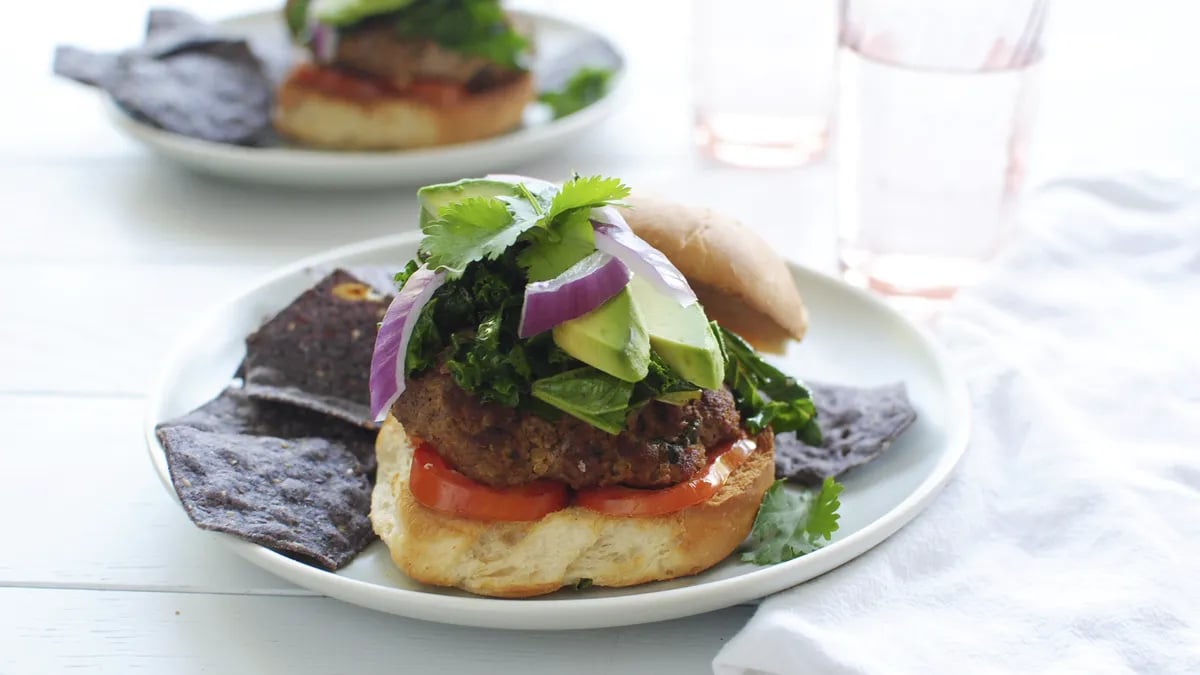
point(336, 82)
point(618, 500)
point(437, 92)
point(437, 486)
point(365, 88)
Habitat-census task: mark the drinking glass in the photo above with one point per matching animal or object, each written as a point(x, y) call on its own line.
point(933, 109)
point(762, 78)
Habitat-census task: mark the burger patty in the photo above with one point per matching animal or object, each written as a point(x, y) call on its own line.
point(376, 51)
point(662, 444)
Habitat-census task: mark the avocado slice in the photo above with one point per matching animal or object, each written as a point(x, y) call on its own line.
point(346, 12)
point(434, 198)
point(680, 335)
point(611, 338)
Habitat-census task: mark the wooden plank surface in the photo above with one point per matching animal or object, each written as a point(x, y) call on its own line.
point(99, 329)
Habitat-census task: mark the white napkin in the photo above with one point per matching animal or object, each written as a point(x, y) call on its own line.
point(1069, 539)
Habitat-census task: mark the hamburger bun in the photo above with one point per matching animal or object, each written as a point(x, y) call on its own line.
point(523, 559)
point(742, 283)
point(316, 117)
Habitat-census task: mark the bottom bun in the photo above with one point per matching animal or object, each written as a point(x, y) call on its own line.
point(522, 559)
point(315, 117)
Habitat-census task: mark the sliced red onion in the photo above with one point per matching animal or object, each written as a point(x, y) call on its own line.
point(617, 239)
point(391, 344)
point(323, 38)
point(588, 284)
point(611, 216)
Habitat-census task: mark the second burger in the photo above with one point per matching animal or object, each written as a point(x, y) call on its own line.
point(395, 74)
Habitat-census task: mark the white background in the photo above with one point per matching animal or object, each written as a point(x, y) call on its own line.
point(105, 252)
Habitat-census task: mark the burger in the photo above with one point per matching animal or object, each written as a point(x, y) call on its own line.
point(394, 74)
point(559, 407)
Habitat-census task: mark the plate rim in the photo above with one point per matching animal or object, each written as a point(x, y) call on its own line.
point(542, 614)
point(318, 159)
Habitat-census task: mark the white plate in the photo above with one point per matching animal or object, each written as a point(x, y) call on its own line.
point(854, 339)
point(301, 167)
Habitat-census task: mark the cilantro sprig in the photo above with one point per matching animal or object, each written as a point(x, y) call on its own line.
point(483, 228)
point(790, 524)
point(477, 228)
point(585, 87)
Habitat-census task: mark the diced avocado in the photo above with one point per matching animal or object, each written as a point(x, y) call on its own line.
point(680, 335)
point(611, 338)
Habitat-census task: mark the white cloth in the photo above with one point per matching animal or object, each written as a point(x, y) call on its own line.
point(1069, 539)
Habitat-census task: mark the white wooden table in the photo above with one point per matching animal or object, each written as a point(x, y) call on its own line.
point(105, 252)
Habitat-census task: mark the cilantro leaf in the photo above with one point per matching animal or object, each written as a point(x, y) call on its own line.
point(565, 236)
point(475, 228)
point(586, 86)
point(552, 251)
point(790, 524)
point(589, 193)
point(765, 396)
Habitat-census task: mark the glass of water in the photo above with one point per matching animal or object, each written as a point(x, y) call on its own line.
point(934, 103)
point(762, 79)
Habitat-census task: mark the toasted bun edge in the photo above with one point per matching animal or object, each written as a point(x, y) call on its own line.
point(524, 559)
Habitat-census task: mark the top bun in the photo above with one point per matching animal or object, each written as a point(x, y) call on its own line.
point(743, 284)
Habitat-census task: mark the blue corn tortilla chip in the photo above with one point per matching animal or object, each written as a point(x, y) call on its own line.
point(316, 352)
point(186, 78)
point(857, 425)
point(234, 412)
point(280, 477)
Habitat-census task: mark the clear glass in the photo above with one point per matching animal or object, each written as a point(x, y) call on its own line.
point(934, 103)
point(762, 79)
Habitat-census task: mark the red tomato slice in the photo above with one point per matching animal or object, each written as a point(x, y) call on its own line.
point(617, 500)
point(436, 92)
point(435, 485)
point(335, 82)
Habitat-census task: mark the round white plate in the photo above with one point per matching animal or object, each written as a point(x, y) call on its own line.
point(302, 167)
point(854, 339)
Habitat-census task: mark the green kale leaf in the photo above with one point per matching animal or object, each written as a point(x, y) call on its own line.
point(765, 396)
point(472, 27)
point(661, 383)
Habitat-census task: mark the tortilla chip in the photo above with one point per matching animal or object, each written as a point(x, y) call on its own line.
point(233, 412)
point(316, 353)
point(186, 78)
point(857, 424)
point(282, 478)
